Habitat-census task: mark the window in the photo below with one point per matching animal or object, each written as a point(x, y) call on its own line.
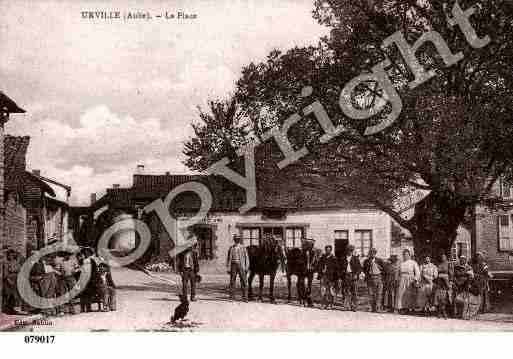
point(461, 249)
point(505, 189)
point(363, 242)
point(505, 233)
point(251, 236)
point(293, 236)
point(341, 242)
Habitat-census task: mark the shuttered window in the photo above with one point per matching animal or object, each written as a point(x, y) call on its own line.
point(363, 242)
point(294, 236)
point(251, 236)
point(505, 189)
point(505, 232)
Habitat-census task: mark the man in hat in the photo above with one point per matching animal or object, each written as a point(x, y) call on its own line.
point(309, 258)
point(350, 268)
point(374, 269)
point(328, 275)
point(188, 267)
point(237, 263)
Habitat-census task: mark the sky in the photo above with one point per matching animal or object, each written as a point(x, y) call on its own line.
point(105, 95)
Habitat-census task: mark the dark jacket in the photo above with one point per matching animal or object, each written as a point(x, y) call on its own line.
point(328, 267)
point(180, 265)
point(103, 268)
point(354, 263)
point(367, 267)
point(392, 272)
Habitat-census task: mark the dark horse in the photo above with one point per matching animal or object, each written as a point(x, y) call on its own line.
point(265, 259)
point(302, 262)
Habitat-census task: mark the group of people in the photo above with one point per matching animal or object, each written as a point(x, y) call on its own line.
point(457, 288)
point(56, 274)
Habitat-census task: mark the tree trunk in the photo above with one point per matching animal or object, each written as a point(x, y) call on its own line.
point(436, 221)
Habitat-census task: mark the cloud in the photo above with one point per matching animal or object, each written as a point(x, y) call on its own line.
point(103, 150)
point(102, 96)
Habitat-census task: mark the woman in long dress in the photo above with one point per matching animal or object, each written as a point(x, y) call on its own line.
point(406, 298)
point(428, 274)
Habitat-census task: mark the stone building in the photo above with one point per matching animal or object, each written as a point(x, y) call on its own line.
point(25, 205)
point(494, 231)
point(285, 208)
point(7, 107)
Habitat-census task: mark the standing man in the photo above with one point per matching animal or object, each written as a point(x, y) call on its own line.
point(237, 263)
point(351, 268)
point(482, 276)
point(328, 274)
point(188, 267)
point(392, 272)
point(374, 268)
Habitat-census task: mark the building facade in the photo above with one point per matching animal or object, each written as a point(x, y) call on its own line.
point(7, 106)
point(494, 231)
point(285, 208)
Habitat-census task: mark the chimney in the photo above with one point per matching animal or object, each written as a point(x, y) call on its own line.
point(140, 169)
point(93, 198)
point(37, 172)
point(115, 185)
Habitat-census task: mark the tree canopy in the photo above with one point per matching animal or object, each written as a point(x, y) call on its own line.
point(452, 140)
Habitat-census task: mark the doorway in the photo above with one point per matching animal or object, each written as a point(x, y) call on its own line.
point(341, 243)
point(205, 236)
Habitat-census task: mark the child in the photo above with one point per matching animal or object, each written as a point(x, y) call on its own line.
point(106, 288)
point(442, 296)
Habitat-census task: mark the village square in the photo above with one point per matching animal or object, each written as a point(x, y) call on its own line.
point(354, 172)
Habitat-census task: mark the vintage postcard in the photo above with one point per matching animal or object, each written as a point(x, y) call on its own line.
point(229, 165)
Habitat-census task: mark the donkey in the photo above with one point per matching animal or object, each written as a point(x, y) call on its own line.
point(265, 259)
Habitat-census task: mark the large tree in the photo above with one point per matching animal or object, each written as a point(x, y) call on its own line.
point(220, 131)
point(453, 138)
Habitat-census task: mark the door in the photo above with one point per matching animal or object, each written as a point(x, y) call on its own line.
point(204, 235)
point(341, 243)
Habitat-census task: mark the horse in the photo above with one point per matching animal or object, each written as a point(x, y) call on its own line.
point(265, 259)
point(301, 262)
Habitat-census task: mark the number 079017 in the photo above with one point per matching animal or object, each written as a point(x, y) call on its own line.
point(39, 339)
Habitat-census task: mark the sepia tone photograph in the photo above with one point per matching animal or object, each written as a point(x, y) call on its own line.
point(244, 165)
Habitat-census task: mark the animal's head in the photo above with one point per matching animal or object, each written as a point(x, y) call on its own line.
point(183, 298)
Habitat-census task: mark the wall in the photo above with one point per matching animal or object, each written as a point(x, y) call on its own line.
point(15, 225)
point(2, 259)
point(487, 239)
point(321, 227)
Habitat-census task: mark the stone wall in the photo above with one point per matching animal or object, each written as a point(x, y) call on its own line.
point(15, 230)
point(488, 239)
point(1, 206)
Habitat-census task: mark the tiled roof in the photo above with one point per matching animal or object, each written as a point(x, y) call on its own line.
point(276, 189)
point(294, 188)
point(15, 174)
